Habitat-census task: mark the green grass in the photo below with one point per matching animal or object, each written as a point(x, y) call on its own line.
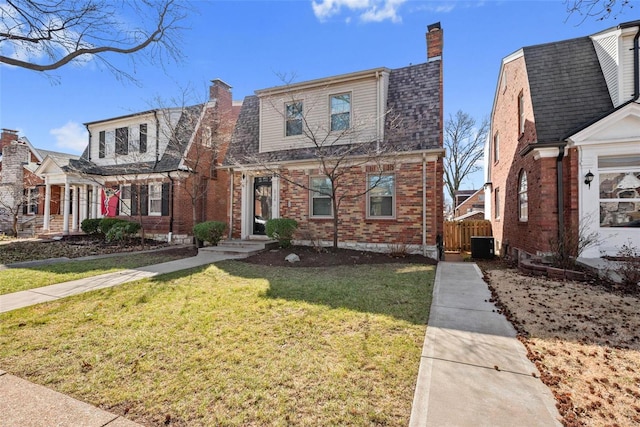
point(235, 344)
point(21, 279)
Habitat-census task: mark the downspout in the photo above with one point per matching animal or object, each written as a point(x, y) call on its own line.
point(230, 204)
point(560, 187)
point(89, 143)
point(424, 205)
point(155, 114)
point(171, 206)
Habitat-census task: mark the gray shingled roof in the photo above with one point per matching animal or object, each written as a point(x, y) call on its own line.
point(169, 161)
point(568, 89)
point(413, 124)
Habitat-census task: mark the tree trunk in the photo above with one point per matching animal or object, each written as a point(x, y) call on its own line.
point(335, 223)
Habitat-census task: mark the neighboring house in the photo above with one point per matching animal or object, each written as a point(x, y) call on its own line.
point(21, 190)
point(563, 159)
point(158, 167)
point(468, 202)
point(284, 135)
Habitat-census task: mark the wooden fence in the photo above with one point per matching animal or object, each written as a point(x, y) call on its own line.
point(457, 234)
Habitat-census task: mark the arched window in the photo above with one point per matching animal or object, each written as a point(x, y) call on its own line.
point(523, 200)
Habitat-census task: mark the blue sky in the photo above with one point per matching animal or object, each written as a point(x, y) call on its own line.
point(250, 44)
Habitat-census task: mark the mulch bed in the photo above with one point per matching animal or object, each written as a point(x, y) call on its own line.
point(327, 257)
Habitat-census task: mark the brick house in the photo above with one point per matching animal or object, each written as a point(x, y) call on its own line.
point(21, 190)
point(157, 167)
point(563, 159)
point(469, 204)
point(289, 138)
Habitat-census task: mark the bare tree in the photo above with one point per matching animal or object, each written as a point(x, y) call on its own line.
point(13, 202)
point(44, 35)
point(597, 9)
point(198, 139)
point(339, 150)
point(464, 142)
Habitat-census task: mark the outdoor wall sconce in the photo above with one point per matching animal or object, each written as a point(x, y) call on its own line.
point(588, 178)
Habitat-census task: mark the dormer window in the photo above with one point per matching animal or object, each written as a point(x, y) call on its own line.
point(340, 112)
point(293, 118)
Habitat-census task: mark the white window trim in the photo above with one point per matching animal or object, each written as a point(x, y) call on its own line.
point(350, 111)
point(125, 203)
point(521, 217)
point(286, 104)
point(311, 198)
point(150, 212)
point(393, 198)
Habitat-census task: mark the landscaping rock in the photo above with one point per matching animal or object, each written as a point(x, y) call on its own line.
point(292, 258)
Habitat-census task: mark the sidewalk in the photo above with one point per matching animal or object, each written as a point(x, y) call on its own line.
point(473, 370)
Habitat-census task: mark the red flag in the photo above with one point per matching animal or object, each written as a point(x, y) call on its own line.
point(109, 199)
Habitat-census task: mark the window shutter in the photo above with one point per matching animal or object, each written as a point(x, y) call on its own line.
point(165, 199)
point(134, 199)
point(143, 138)
point(102, 145)
point(144, 200)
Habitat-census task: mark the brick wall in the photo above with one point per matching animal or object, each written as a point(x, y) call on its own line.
point(354, 226)
point(535, 234)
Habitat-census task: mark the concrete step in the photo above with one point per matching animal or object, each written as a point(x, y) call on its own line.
point(240, 247)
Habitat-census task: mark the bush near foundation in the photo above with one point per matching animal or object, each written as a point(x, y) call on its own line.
point(282, 229)
point(210, 231)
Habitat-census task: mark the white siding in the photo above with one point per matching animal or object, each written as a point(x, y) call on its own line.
point(607, 51)
point(626, 62)
point(168, 120)
point(364, 114)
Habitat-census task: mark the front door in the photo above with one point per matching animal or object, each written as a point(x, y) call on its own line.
point(262, 201)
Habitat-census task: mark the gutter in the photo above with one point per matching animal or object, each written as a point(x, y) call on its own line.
point(155, 115)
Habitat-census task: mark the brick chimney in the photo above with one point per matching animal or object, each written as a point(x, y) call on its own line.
point(434, 42)
point(8, 136)
point(220, 92)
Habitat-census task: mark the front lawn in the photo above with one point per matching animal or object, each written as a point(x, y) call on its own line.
point(233, 344)
point(21, 279)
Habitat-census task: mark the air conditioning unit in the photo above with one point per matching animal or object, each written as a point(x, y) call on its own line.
point(482, 247)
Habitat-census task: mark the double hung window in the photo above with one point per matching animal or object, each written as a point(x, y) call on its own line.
point(381, 194)
point(293, 115)
point(340, 112)
point(321, 197)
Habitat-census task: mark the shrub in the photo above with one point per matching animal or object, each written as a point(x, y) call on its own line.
point(122, 231)
point(91, 226)
point(282, 229)
point(107, 222)
point(628, 267)
point(210, 231)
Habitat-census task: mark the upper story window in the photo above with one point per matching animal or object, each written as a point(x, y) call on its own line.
point(381, 196)
point(122, 140)
point(293, 118)
point(496, 147)
point(523, 199)
point(520, 113)
point(321, 197)
point(340, 112)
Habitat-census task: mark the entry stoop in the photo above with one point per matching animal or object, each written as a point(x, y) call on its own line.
point(241, 248)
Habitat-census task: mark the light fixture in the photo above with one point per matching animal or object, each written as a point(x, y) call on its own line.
point(588, 178)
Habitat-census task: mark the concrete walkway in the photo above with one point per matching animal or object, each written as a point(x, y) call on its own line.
point(473, 370)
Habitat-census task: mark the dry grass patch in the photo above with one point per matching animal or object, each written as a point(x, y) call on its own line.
point(585, 341)
point(234, 345)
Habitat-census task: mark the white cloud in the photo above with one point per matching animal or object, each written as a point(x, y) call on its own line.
point(367, 10)
point(72, 136)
